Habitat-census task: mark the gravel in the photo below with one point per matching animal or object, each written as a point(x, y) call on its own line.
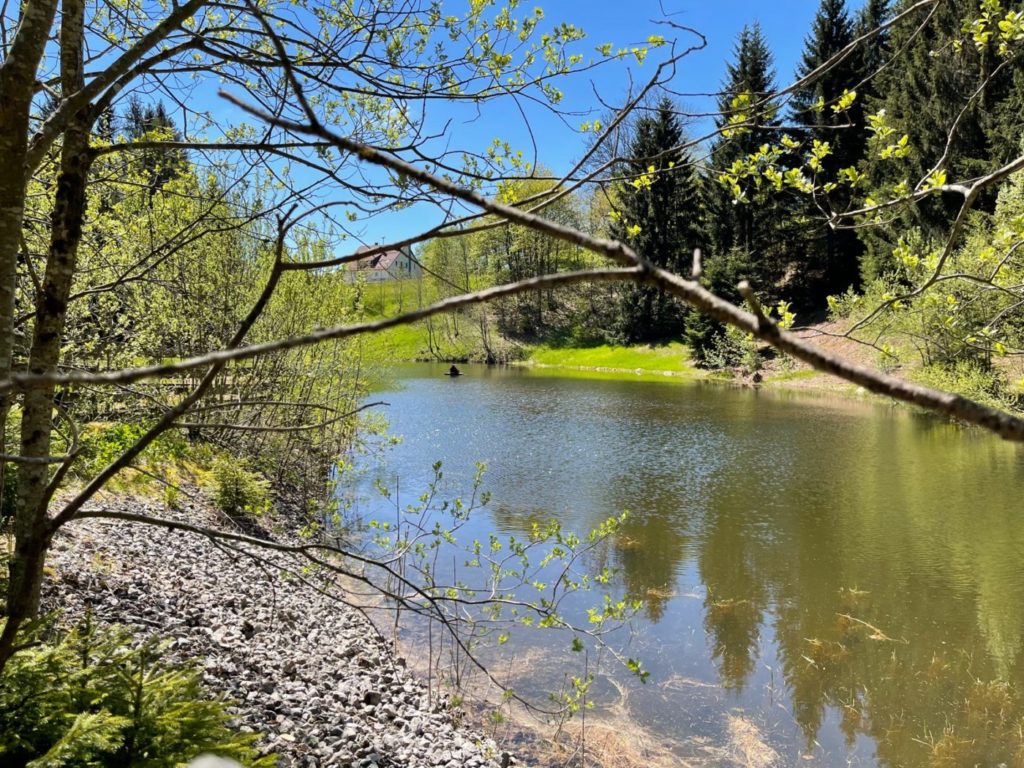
point(310, 674)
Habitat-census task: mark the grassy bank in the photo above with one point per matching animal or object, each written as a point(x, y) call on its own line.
point(467, 336)
point(458, 336)
point(672, 359)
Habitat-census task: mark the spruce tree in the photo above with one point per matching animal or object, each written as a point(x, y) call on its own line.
point(832, 256)
point(148, 121)
point(935, 71)
point(659, 215)
point(750, 237)
point(873, 53)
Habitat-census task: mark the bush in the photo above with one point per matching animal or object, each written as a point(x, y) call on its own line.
point(701, 334)
point(236, 490)
point(734, 349)
point(92, 699)
point(104, 443)
point(967, 378)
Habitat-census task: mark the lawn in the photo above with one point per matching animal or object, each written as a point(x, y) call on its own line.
point(673, 358)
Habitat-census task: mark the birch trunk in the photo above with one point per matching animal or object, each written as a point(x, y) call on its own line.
point(32, 525)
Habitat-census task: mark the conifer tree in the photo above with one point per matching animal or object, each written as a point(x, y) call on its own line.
point(658, 214)
point(873, 53)
point(935, 71)
point(149, 121)
point(832, 255)
point(750, 233)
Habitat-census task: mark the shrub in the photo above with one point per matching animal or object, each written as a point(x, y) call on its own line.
point(93, 699)
point(104, 443)
point(734, 349)
point(236, 490)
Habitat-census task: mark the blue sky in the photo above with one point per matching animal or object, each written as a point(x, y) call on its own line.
point(785, 23)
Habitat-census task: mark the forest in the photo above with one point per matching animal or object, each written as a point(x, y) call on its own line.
point(190, 345)
point(809, 200)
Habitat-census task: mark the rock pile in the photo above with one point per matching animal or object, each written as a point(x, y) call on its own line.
point(310, 674)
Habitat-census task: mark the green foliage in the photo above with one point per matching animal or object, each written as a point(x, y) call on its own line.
point(504, 583)
point(831, 114)
point(514, 253)
point(657, 212)
point(969, 378)
point(950, 71)
point(90, 697)
point(752, 226)
point(733, 349)
point(103, 443)
point(238, 491)
point(964, 322)
point(172, 259)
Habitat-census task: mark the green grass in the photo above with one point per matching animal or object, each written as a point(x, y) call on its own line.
point(446, 337)
point(458, 338)
point(408, 343)
point(673, 358)
point(803, 373)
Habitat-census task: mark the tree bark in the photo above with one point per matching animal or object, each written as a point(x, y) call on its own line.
point(17, 87)
point(32, 526)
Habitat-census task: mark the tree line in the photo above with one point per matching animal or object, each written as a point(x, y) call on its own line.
point(888, 102)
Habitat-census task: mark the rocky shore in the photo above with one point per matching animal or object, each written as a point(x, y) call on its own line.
point(309, 673)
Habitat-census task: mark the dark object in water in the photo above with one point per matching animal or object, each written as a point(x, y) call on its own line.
point(453, 371)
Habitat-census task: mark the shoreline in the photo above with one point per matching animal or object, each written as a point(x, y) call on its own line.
point(798, 380)
point(313, 675)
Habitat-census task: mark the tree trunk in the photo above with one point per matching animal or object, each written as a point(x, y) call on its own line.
point(17, 87)
point(32, 527)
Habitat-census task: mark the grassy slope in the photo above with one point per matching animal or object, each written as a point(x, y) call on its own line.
point(458, 338)
point(665, 359)
point(446, 337)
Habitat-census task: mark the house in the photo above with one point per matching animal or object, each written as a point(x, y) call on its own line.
point(394, 264)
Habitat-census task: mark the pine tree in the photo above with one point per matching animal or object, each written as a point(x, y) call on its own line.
point(658, 215)
point(153, 122)
point(749, 239)
point(935, 70)
point(832, 256)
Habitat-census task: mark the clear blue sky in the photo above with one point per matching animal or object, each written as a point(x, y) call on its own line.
point(785, 23)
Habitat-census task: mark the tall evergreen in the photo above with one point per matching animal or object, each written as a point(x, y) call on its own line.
point(749, 239)
point(873, 53)
point(659, 215)
point(152, 121)
point(833, 256)
point(934, 71)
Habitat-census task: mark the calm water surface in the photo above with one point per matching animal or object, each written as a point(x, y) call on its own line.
point(843, 578)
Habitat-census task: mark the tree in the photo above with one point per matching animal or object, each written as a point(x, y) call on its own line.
point(949, 92)
point(510, 254)
point(826, 118)
point(658, 212)
point(752, 227)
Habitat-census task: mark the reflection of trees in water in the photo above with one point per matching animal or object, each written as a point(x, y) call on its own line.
point(849, 536)
point(898, 600)
point(736, 598)
point(650, 548)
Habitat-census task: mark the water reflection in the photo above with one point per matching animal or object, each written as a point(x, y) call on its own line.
point(858, 565)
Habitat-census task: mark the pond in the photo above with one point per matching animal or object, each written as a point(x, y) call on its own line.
point(825, 581)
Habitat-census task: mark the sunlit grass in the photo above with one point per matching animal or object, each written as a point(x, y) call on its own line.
point(796, 375)
point(672, 358)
